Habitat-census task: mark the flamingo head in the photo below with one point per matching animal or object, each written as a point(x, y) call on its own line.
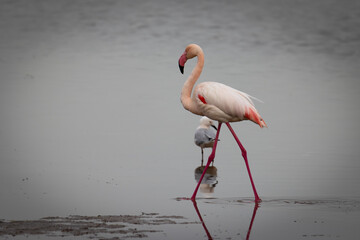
point(190, 51)
point(182, 61)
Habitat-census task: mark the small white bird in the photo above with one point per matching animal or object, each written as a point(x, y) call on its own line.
point(205, 136)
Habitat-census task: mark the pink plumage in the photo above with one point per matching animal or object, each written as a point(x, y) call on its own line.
point(215, 100)
point(225, 104)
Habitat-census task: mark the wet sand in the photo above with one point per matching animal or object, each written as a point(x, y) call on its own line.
point(92, 227)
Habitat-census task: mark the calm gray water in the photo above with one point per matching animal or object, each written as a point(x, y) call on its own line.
point(91, 122)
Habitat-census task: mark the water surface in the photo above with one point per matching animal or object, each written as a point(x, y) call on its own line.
point(91, 122)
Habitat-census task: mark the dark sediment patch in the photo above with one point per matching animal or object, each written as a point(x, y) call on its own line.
point(94, 227)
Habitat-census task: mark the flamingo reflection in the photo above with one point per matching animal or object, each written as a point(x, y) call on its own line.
point(201, 220)
point(256, 206)
point(207, 186)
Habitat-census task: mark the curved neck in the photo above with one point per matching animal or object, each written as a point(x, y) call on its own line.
point(190, 82)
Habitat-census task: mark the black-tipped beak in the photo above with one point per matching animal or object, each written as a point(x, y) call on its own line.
point(181, 68)
point(214, 127)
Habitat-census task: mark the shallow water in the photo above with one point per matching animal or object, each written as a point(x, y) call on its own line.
point(91, 122)
point(226, 218)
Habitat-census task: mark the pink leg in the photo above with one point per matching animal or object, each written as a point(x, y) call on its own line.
point(210, 159)
point(243, 152)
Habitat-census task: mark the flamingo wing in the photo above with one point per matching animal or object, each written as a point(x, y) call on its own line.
point(225, 104)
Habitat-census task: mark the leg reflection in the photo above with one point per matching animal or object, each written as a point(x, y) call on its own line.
point(256, 206)
point(201, 220)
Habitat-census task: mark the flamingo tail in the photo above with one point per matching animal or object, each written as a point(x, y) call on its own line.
point(254, 116)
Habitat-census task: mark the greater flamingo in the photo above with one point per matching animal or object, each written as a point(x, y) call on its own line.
point(218, 102)
point(205, 136)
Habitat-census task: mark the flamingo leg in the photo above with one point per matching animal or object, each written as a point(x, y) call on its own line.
point(210, 159)
point(243, 152)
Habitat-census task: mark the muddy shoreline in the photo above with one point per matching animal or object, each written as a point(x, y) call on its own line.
point(93, 227)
